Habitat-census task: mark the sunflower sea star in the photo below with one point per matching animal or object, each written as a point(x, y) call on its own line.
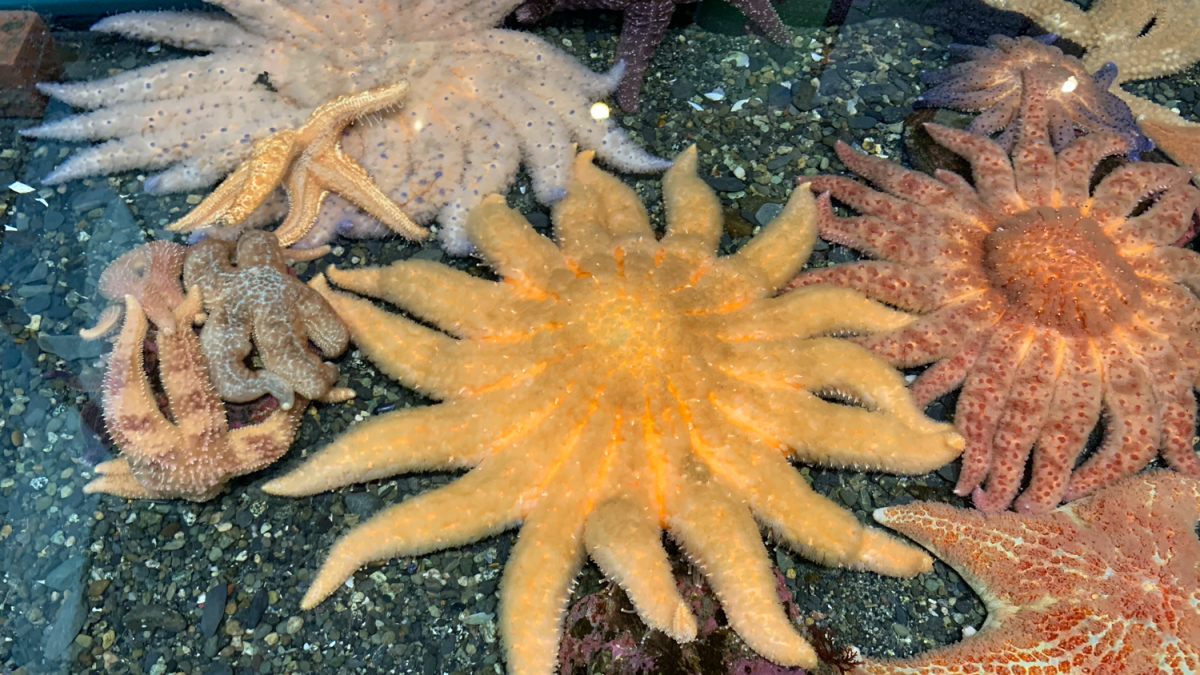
point(1049, 302)
point(1145, 40)
point(480, 100)
point(1107, 584)
point(195, 455)
point(260, 304)
point(309, 162)
point(992, 81)
point(645, 25)
point(614, 386)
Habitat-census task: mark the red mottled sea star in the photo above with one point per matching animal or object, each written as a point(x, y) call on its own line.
point(1047, 303)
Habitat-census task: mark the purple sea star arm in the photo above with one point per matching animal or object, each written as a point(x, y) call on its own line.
point(766, 18)
point(644, 27)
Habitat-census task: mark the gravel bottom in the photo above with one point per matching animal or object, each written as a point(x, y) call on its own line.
point(101, 585)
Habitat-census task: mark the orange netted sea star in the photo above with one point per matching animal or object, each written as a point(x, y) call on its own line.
point(614, 386)
point(1107, 584)
point(1049, 302)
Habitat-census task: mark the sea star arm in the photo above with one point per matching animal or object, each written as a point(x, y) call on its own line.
point(1180, 265)
point(1024, 415)
point(598, 208)
point(643, 28)
point(990, 166)
point(246, 188)
point(1127, 186)
point(412, 440)
point(809, 312)
point(172, 80)
point(909, 288)
point(693, 209)
point(227, 344)
point(945, 375)
point(544, 562)
point(766, 18)
point(900, 439)
point(982, 400)
point(934, 336)
point(1161, 225)
point(253, 447)
point(1134, 422)
point(458, 303)
point(782, 247)
point(811, 524)
point(512, 247)
point(334, 171)
point(724, 539)
point(484, 502)
point(188, 30)
point(416, 356)
point(116, 478)
point(130, 411)
point(625, 540)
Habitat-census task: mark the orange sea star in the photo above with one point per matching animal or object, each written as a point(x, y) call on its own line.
point(617, 385)
point(192, 454)
point(1108, 585)
point(1050, 302)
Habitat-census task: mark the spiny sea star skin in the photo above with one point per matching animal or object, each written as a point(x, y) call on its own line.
point(1107, 585)
point(260, 304)
point(991, 81)
point(613, 386)
point(193, 456)
point(1049, 303)
point(480, 101)
point(645, 25)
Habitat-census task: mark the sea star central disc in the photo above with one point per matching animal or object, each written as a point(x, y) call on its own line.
point(1059, 269)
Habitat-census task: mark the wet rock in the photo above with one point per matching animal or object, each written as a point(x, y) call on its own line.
point(151, 617)
point(214, 609)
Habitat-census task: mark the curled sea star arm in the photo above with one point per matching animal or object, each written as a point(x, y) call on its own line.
point(460, 304)
point(1024, 414)
point(982, 400)
point(1076, 164)
point(1073, 413)
point(1124, 188)
point(911, 289)
point(1134, 422)
point(227, 344)
point(1162, 224)
point(319, 322)
point(809, 312)
point(719, 532)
